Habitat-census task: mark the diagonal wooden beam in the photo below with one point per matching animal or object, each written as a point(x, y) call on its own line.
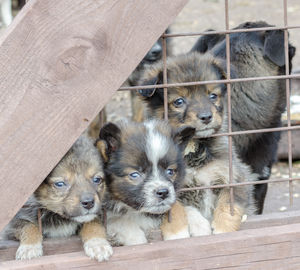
point(60, 62)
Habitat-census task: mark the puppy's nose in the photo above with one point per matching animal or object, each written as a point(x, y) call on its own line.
point(87, 202)
point(155, 52)
point(205, 117)
point(162, 193)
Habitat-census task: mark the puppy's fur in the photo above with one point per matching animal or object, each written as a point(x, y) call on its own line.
point(144, 167)
point(6, 12)
point(256, 104)
point(70, 201)
point(204, 108)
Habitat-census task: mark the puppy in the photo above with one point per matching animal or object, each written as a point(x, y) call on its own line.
point(204, 108)
point(70, 201)
point(143, 169)
point(138, 108)
point(255, 104)
point(153, 56)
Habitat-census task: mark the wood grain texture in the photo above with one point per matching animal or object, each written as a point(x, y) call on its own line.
point(275, 248)
point(61, 246)
point(61, 61)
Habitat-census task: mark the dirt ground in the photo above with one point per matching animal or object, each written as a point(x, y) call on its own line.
point(199, 15)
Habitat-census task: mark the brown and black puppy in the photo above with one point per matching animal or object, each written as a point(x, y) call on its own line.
point(153, 56)
point(70, 201)
point(204, 108)
point(255, 104)
point(144, 167)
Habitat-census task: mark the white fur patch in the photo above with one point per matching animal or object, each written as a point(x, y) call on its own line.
point(26, 252)
point(198, 225)
point(64, 230)
point(130, 228)
point(98, 248)
point(157, 144)
point(85, 218)
point(244, 218)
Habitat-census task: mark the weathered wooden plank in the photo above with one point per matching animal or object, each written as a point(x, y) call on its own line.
point(8, 248)
point(271, 219)
point(275, 248)
point(60, 246)
point(61, 61)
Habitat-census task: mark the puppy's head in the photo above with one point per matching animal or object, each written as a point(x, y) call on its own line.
point(269, 43)
point(199, 106)
point(75, 187)
point(144, 164)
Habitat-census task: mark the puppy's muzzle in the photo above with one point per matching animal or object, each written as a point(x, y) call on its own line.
point(87, 201)
point(205, 117)
point(162, 193)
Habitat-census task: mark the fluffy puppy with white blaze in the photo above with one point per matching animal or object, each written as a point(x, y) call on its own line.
point(144, 167)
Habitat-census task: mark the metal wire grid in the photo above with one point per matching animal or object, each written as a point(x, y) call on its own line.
point(228, 81)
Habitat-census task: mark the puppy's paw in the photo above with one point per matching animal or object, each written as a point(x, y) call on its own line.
point(98, 248)
point(26, 252)
point(198, 225)
point(184, 233)
point(225, 222)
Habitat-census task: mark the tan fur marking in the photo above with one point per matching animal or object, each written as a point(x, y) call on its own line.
point(92, 229)
point(178, 222)
point(138, 108)
point(102, 147)
point(95, 125)
point(223, 220)
point(29, 235)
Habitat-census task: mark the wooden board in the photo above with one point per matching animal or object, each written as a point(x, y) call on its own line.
point(275, 248)
point(60, 246)
point(61, 61)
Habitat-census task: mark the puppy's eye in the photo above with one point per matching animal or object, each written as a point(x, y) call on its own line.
point(170, 172)
point(213, 96)
point(179, 102)
point(97, 180)
point(135, 175)
point(60, 184)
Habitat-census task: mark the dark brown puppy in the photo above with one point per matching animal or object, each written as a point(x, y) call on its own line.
point(256, 104)
point(203, 107)
point(144, 167)
point(70, 201)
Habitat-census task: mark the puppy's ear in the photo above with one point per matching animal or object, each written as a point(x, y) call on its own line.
point(153, 96)
point(147, 93)
point(182, 135)
point(109, 140)
point(156, 78)
point(221, 67)
point(274, 47)
point(205, 43)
